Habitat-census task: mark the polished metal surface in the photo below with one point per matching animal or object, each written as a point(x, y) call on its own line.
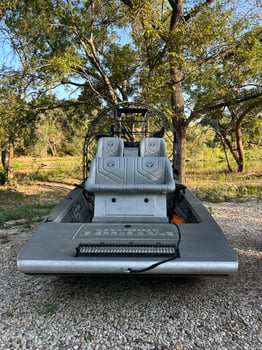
point(204, 250)
point(104, 266)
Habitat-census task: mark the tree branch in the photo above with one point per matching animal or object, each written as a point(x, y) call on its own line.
point(214, 106)
point(128, 3)
point(195, 10)
point(176, 6)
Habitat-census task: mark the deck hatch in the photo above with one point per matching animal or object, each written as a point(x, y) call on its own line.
point(98, 232)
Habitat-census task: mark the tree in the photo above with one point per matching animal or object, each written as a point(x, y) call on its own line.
point(177, 52)
point(183, 44)
point(235, 94)
point(14, 118)
point(71, 42)
point(61, 42)
point(228, 124)
point(19, 87)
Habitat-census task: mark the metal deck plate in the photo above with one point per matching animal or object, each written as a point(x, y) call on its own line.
point(51, 250)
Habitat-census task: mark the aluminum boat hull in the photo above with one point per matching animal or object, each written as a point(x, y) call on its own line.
point(204, 249)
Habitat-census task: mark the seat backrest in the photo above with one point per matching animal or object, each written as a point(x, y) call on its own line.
point(152, 147)
point(110, 147)
point(130, 174)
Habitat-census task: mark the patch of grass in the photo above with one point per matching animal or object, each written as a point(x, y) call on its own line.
point(8, 196)
point(228, 192)
point(249, 190)
point(50, 309)
point(88, 337)
point(210, 210)
point(48, 168)
point(36, 176)
point(203, 160)
point(10, 313)
point(26, 211)
point(209, 178)
point(206, 172)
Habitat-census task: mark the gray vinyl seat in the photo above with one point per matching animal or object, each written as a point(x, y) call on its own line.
point(130, 174)
point(110, 147)
point(152, 147)
point(130, 189)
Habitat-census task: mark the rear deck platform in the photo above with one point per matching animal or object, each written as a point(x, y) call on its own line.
point(204, 250)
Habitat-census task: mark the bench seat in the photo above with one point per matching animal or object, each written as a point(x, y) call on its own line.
point(130, 174)
point(130, 189)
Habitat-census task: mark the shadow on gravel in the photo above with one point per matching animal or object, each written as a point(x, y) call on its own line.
point(130, 286)
point(123, 282)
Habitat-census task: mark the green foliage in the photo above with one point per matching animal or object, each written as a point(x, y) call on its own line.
point(37, 176)
point(68, 41)
point(26, 211)
point(31, 169)
point(253, 132)
point(121, 63)
point(50, 309)
point(10, 313)
point(49, 133)
point(207, 173)
point(88, 337)
point(228, 192)
point(206, 53)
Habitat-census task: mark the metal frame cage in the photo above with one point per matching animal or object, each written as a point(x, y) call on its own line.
point(131, 122)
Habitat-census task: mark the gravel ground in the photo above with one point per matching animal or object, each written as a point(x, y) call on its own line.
point(138, 313)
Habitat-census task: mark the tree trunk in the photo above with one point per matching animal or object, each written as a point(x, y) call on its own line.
point(225, 152)
point(180, 153)
point(124, 90)
point(7, 157)
point(240, 149)
point(4, 159)
point(177, 105)
point(238, 154)
point(177, 98)
point(10, 161)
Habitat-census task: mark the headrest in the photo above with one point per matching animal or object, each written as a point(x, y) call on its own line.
point(152, 147)
point(110, 147)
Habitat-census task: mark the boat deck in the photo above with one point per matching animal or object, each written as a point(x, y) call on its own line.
point(204, 249)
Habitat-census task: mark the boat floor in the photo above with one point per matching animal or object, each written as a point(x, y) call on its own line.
point(204, 250)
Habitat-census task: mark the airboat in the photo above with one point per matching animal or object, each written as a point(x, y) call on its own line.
point(129, 215)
